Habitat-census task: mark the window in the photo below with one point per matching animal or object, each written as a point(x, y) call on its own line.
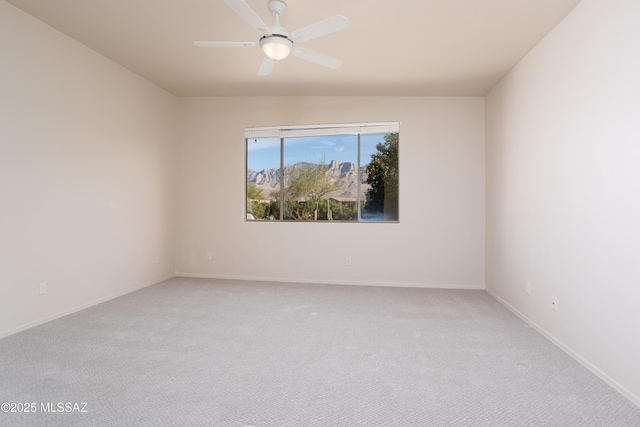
point(346, 173)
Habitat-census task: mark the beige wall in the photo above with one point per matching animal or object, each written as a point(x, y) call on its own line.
point(87, 175)
point(563, 188)
point(438, 242)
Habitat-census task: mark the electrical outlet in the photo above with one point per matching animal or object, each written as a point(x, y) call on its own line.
point(43, 288)
point(157, 259)
point(527, 288)
point(209, 255)
point(348, 261)
point(554, 303)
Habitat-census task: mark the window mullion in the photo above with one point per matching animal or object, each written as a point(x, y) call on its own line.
point(359, 182)
point(281, 179)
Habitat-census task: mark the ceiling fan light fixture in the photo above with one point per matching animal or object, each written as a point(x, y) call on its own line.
point(276, 42)
point(276, 47)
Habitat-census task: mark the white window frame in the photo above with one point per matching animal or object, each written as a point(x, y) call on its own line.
point(283, 132)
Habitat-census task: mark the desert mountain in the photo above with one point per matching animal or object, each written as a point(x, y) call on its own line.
point(268, 180)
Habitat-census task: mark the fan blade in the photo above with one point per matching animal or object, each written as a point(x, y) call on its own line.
point(267, 66)
point(327, 26)
point(225, 44)
point(249, 15)
point(317, 58)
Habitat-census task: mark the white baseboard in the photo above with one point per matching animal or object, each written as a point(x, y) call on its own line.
point(332, 282)
point(584, 362)
point(82, 307)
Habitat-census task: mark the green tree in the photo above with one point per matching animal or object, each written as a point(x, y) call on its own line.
point(254, 192)
point(274, 209)
point(259, 209)
point(254, 196)
point(382, 176)
point(344, 211)
point(310, 182)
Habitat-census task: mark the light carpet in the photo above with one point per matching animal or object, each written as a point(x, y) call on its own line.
point(202, 352)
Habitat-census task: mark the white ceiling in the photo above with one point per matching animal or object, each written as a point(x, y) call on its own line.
point(405, 47)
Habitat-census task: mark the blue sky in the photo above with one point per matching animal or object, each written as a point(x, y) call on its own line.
point(264, 153)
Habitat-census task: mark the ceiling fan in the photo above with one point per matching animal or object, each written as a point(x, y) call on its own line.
point(276, 42)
